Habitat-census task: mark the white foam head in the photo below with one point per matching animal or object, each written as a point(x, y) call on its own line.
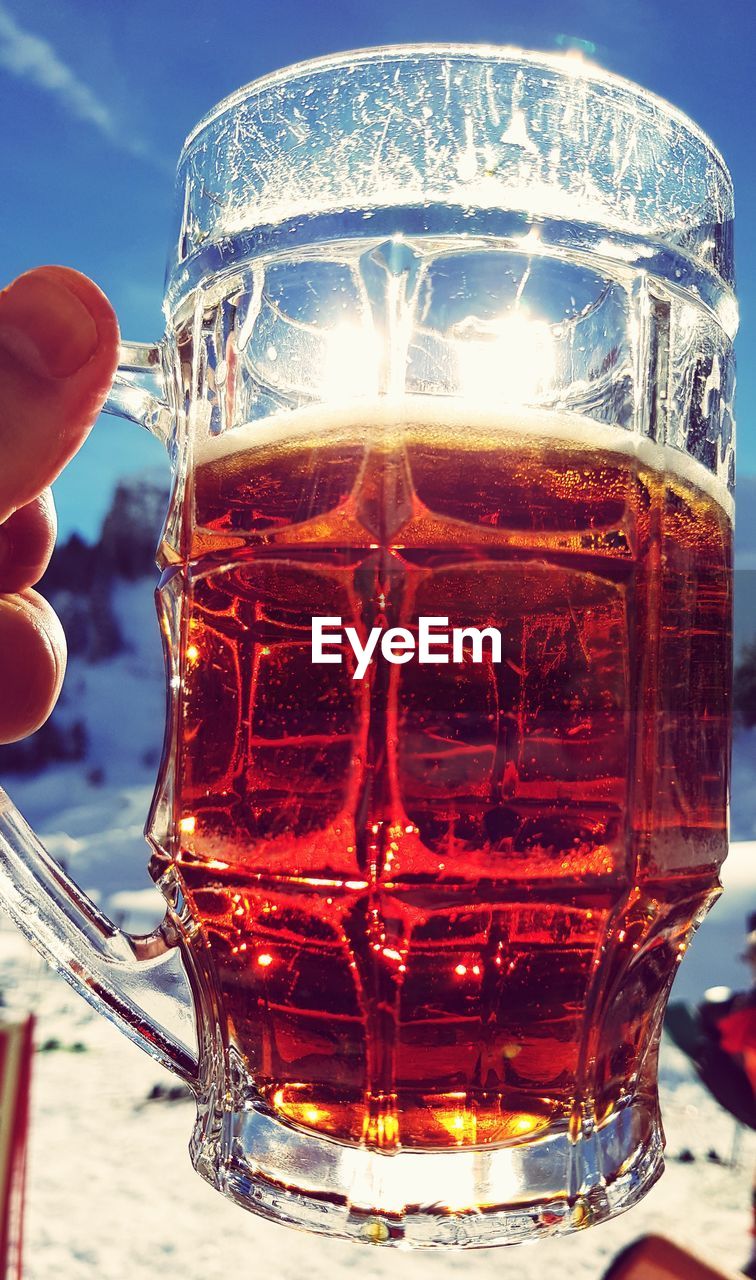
point(467, 425)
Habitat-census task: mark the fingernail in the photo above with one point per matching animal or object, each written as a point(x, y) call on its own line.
point(46, 326)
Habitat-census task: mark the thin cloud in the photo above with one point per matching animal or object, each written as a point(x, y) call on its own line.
point(35, 60)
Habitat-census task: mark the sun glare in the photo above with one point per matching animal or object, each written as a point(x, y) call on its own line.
point(509, 360)
point(351, 363)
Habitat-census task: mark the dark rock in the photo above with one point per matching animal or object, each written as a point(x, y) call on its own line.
point(131, 529)
point(79, 583)
point(54, 741)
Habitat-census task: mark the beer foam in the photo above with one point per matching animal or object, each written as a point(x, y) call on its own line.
point(467, 426)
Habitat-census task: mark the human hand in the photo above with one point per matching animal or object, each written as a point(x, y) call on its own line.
point(58, 353)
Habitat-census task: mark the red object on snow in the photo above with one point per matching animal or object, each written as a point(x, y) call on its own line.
point(737, 1035)
point(16, 1048)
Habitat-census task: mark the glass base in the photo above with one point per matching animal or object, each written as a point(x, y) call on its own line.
point(465, 1198)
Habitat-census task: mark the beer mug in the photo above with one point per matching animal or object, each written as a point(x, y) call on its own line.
point(446, 386)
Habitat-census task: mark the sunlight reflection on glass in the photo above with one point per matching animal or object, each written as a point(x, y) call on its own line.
point(509, 360)
point(351, 363)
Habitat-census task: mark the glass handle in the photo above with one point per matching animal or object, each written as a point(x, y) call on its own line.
point(138, 982)
point(140, 388)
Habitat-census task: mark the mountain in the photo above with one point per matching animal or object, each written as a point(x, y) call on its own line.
point(745, 561)
point(103, 593)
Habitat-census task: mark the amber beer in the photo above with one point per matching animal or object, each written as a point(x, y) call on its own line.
point(444, 903)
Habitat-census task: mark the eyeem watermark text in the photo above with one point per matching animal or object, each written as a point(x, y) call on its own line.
point(431, 643)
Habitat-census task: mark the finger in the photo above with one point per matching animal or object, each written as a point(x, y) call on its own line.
point(58, 353)
point(33, 650)
point(26, 542)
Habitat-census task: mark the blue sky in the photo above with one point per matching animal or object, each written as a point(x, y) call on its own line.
point(97, 98)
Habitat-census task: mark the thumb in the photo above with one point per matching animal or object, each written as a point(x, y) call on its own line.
point(58, 353)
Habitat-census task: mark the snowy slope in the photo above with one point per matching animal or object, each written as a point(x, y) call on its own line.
point(112, 1193)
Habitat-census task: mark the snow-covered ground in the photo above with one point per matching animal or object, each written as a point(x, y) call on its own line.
point(112, 1193)
point(111, 1189)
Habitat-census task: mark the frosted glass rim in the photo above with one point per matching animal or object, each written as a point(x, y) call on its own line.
point(570, 65)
